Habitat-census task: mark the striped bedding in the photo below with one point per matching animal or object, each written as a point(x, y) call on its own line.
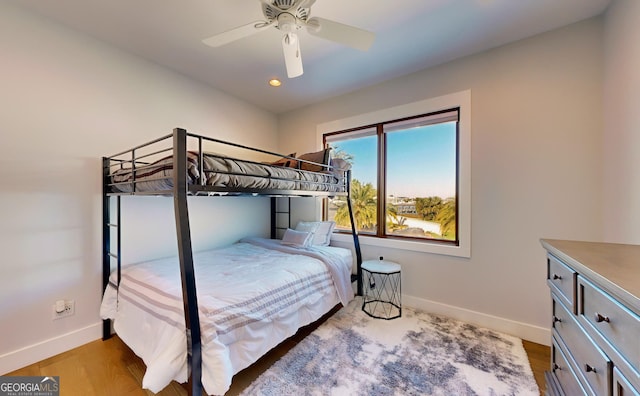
point(252, 295)
point(221, 171)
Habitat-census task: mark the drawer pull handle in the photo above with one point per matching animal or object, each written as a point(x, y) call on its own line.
point(555, 367)
point(601, 318)
point(589, 369)
point(555, 320)
point(556, 277)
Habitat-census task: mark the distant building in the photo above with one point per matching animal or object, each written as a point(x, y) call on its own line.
point(392, 199)
point(403, 205)
point(405, 208)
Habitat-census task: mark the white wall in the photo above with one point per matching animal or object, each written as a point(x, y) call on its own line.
point(65, 101)
point(536, 173)
point(621, 132)
point(537, 167)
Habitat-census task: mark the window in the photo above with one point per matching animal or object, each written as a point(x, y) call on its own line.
point(410, 175)
point(404, 177)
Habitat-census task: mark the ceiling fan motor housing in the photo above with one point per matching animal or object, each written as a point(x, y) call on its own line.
point(274, 9)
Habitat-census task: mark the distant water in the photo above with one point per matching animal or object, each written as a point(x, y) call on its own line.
point(427, 226)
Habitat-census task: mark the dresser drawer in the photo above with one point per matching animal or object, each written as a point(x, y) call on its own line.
point(621, 386)
point(565, 376)
point(590, 362)
point(562, 279)
point(612, 320)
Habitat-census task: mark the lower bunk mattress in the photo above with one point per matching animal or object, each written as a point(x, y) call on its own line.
point(252, 295)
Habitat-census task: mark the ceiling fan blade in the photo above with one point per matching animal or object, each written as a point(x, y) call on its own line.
point(340, 33)
point(292, 56)
point(236, 33)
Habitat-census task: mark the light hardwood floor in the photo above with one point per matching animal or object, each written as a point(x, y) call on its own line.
point(110, 368)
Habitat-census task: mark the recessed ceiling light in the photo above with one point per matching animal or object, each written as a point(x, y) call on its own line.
point(274, 82)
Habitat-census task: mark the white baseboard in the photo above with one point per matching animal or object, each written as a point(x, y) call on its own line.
point(525, 331)
point(34, 353)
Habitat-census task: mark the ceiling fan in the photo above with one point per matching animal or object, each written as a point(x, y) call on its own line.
point(288, 16)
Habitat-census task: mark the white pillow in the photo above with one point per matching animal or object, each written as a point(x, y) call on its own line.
point(321, 231)
point(322, 236)
point(297, 238)
point(307, 226)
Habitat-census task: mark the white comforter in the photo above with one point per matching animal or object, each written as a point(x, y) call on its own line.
point(251, 295)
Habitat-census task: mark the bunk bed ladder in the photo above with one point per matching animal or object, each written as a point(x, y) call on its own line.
point(356, 239)
point(107, 255)
point(280, 206)
point(185, 254)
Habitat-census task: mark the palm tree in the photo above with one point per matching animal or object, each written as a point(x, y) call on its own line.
point(429, 207)
point(364, 203)
point(447, 219)
point(395, 222)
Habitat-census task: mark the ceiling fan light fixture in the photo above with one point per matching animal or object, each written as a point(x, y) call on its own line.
point(274, 82)
point(287, 23)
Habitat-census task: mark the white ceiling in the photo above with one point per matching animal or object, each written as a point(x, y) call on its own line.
point(411, 35)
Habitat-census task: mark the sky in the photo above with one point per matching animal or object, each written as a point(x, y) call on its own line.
point(421, 162)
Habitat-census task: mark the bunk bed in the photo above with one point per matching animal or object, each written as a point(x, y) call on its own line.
point(179, 165)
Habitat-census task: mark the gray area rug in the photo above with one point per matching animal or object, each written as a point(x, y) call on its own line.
point(417, 354)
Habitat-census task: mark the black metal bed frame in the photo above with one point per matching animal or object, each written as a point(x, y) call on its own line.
point(181, 189)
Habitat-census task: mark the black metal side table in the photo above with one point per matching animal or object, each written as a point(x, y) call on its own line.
point(382, 289)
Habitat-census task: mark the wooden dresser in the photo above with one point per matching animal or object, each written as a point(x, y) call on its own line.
point(595, 293)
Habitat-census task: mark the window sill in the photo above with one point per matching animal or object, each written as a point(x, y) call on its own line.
point(462, 250)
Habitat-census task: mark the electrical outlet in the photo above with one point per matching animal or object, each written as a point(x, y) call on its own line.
point(69, 308)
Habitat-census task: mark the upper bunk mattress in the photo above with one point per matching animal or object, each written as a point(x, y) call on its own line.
point(228, 173)
point(251, 296)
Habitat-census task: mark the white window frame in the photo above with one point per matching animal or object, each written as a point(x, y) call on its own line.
point(462, 100)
